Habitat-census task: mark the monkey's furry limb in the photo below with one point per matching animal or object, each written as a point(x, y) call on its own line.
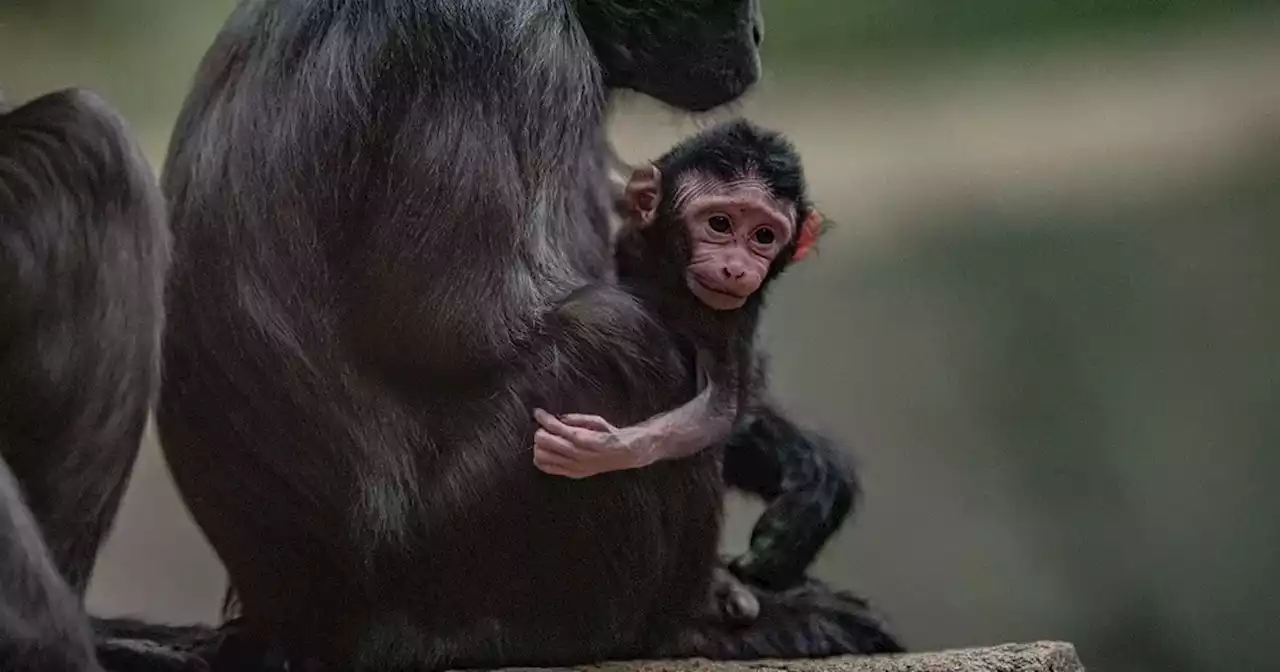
point(810, 618)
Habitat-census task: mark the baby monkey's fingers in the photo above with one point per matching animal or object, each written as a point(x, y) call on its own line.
point(594, 422)
point(584, 439)
point(564, 448)
point(549, 463)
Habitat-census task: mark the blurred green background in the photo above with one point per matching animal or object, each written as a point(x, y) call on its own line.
point(1048, 318)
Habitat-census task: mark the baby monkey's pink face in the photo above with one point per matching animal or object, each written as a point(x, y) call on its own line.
point(736, 230)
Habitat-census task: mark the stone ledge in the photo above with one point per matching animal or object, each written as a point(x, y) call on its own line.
point(1032, 657)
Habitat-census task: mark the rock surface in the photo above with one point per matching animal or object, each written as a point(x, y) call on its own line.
point(1033, 657)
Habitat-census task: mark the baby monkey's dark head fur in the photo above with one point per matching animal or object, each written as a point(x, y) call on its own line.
point(718, 217)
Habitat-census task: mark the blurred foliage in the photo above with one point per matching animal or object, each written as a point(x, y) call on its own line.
point(846, 27)
point(857, 33)
point(1125, 365)
point(802, 35)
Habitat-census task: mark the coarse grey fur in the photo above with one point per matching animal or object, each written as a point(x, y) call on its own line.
point(83, 254)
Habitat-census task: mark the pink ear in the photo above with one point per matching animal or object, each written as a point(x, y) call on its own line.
point(642, 193)
point(808, 235)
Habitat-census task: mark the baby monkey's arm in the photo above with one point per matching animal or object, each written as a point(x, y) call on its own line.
point(580, 446)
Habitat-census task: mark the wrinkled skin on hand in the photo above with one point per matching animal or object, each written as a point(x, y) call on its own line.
point(580, 446)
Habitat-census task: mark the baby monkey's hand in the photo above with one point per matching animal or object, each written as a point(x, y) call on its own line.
point(581, 446)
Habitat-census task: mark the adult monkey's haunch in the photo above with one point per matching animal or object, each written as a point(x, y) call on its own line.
point(375, 207)
point(83, 252)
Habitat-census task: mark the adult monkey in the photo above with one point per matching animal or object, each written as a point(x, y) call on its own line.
point(83, 252)
point(350, 182)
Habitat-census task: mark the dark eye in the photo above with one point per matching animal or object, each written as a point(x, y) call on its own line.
point(720, 224)
point(765, 236)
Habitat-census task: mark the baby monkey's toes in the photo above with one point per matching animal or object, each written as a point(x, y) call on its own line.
point(730, 599)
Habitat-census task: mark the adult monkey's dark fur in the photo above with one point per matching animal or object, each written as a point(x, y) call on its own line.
point(375, 205)
point(83, 252)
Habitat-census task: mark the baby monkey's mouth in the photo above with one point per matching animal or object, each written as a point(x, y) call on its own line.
point(714, 297)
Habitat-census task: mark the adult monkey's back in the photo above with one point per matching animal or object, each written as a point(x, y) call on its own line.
point(375, 206)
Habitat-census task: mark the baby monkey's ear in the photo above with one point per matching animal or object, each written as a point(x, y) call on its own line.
point(810, 229)
point(642, 195)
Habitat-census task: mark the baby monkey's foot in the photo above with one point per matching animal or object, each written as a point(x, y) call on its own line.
point(730, 600)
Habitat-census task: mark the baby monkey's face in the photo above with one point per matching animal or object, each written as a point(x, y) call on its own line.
point(736, 230)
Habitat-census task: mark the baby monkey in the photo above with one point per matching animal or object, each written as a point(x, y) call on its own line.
point(706, 228)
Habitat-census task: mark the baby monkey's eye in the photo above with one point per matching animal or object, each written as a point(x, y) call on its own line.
point(765, 236)
point(720, 223)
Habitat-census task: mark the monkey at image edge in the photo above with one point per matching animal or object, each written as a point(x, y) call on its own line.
point(83, 253)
